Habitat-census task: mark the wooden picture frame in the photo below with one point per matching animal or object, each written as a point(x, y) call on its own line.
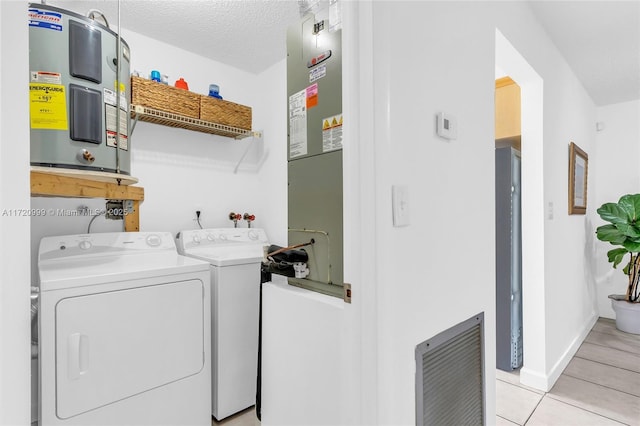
point(578, 173)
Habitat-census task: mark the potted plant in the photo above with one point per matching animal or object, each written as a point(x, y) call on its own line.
point(623, 231)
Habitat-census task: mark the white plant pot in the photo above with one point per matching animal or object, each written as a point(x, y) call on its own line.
point(627, 316)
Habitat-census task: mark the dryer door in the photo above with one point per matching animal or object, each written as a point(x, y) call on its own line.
point(114, 345)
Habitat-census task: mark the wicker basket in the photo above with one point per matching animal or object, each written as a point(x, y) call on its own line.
point(225, 112)
point(159, 96)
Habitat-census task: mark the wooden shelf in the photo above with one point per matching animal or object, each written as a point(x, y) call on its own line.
point(117, 178)
point(143, 113)
point(71, 183)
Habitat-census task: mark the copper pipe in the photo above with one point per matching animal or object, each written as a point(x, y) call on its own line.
point(280, 250)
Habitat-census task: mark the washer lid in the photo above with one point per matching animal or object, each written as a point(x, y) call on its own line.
point(228, 255)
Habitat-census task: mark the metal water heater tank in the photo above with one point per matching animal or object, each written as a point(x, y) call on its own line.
point(74, 92)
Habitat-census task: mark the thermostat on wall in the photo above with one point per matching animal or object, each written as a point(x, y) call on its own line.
point(446, 126)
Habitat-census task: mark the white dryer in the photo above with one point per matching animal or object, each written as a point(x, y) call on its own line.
point(235, 255)
point(124, 331)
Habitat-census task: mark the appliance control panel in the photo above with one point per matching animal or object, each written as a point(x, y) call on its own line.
point(107, 243)
point(217, 237)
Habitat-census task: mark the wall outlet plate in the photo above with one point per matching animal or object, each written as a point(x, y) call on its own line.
point(446, 126)
point(114, 210)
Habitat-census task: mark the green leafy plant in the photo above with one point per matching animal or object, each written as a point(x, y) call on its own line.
point(623, 230)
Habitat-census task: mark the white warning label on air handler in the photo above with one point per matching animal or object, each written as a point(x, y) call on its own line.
point(332, 133)
point(298, 124)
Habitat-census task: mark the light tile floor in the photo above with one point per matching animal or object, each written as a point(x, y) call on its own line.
point(600, 386)
point(243, 418)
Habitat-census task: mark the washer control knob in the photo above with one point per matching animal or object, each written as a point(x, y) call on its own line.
point(196, 239)
point(154, 240)
point(223, 237)
point(211, 237)
point(253, 235)
point(85, 244)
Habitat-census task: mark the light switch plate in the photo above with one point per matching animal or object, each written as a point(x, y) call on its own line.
point(447, 126)
point(400, 202)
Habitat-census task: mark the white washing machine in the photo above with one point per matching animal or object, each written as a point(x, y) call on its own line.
point(124, 325)
point(235, 255)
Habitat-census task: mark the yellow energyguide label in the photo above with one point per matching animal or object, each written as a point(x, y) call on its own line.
point(48, 106)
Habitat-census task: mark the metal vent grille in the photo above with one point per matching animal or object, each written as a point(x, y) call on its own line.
point(450, 376)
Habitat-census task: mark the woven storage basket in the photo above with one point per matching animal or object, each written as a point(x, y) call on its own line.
point(159, 96)
point(225, 112)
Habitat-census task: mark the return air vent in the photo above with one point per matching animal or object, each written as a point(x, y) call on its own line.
point(450, 376)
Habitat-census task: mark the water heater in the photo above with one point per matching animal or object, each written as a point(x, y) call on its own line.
point(78, 110)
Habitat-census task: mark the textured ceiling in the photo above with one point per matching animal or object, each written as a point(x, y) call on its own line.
point(599, 39)
point(247, 34)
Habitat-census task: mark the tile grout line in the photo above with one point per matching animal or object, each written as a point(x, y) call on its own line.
point(600, 384)
point(588, 411)
point(617, 333)
point(534, 409)
point(504, 418)
point(551, 396)
point(632, 341)
point(610, 347)
point(521, 386)
point(604, 363)
point(541, 394)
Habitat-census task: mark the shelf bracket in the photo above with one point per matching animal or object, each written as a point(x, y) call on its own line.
point(255, 135)
point(133, 126)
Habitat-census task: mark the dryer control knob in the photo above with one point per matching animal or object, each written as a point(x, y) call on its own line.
point(154, 240)
point(211, 237)
point(196, 239)
point(85, 244)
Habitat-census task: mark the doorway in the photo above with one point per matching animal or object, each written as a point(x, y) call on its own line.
point(513, 64)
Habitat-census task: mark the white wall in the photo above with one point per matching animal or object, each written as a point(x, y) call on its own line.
point(439, 56)
point(618, 153)
point(14, 230)
point(439, 271)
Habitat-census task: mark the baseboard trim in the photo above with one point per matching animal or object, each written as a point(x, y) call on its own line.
point(545, 382)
